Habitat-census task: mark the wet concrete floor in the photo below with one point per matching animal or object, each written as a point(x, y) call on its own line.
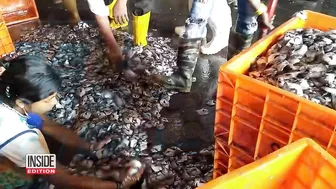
point(186, 128)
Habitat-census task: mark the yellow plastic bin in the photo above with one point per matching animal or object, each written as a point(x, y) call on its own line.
point(300, 165)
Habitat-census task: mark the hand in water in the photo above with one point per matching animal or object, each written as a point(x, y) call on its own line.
point(131, 179)
point(129, 175)
point(115, 60)
point(120, 12)
point(117, 64)
point(99, 145)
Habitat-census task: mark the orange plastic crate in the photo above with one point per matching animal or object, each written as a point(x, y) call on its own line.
point(17, 11)
point(6, 44)
point(253, 119)
point(300, 165)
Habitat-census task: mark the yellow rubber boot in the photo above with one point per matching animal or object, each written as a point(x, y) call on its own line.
point(140, 28)
point(113, 24)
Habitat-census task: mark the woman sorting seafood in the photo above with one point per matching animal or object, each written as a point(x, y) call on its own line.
point(141, 13)
point(28, 89)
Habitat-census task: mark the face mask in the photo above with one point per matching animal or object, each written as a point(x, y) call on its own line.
point(34, 121)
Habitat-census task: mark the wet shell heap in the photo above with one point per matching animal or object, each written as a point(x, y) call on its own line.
point(97, 103)
point(303, 61)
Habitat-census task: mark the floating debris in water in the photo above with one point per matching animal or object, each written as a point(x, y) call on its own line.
point(303, 61)
point(211, 103)
point(202, 112)
point(98, 104)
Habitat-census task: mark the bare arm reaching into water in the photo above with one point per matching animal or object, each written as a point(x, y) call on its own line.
point(68, 137)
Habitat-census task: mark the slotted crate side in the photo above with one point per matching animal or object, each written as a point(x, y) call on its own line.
point(222, 153)
point(300, 165)
point(262, 123)
point(18, 11)
point(265, 118)
point(222, 124)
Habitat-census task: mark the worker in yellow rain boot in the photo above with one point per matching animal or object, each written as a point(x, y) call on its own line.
point(141, 22)
point(141, 17)
point(114, 25)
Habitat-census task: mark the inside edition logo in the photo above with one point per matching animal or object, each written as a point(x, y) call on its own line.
point(40, 164)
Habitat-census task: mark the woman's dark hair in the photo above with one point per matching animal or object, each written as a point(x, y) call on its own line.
point(28, 78)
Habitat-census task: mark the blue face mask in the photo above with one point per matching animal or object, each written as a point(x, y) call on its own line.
point(34, 121)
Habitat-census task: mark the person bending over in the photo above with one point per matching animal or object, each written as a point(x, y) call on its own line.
point(141, 16)
point(28, 89)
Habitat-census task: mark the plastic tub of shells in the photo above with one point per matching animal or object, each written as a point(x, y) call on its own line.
point(18, 11)
point(6, 44)
point(302, 164)
point(277, 91)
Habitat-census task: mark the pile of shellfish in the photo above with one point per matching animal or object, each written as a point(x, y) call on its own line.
point(302, 61)
point(97, 103)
